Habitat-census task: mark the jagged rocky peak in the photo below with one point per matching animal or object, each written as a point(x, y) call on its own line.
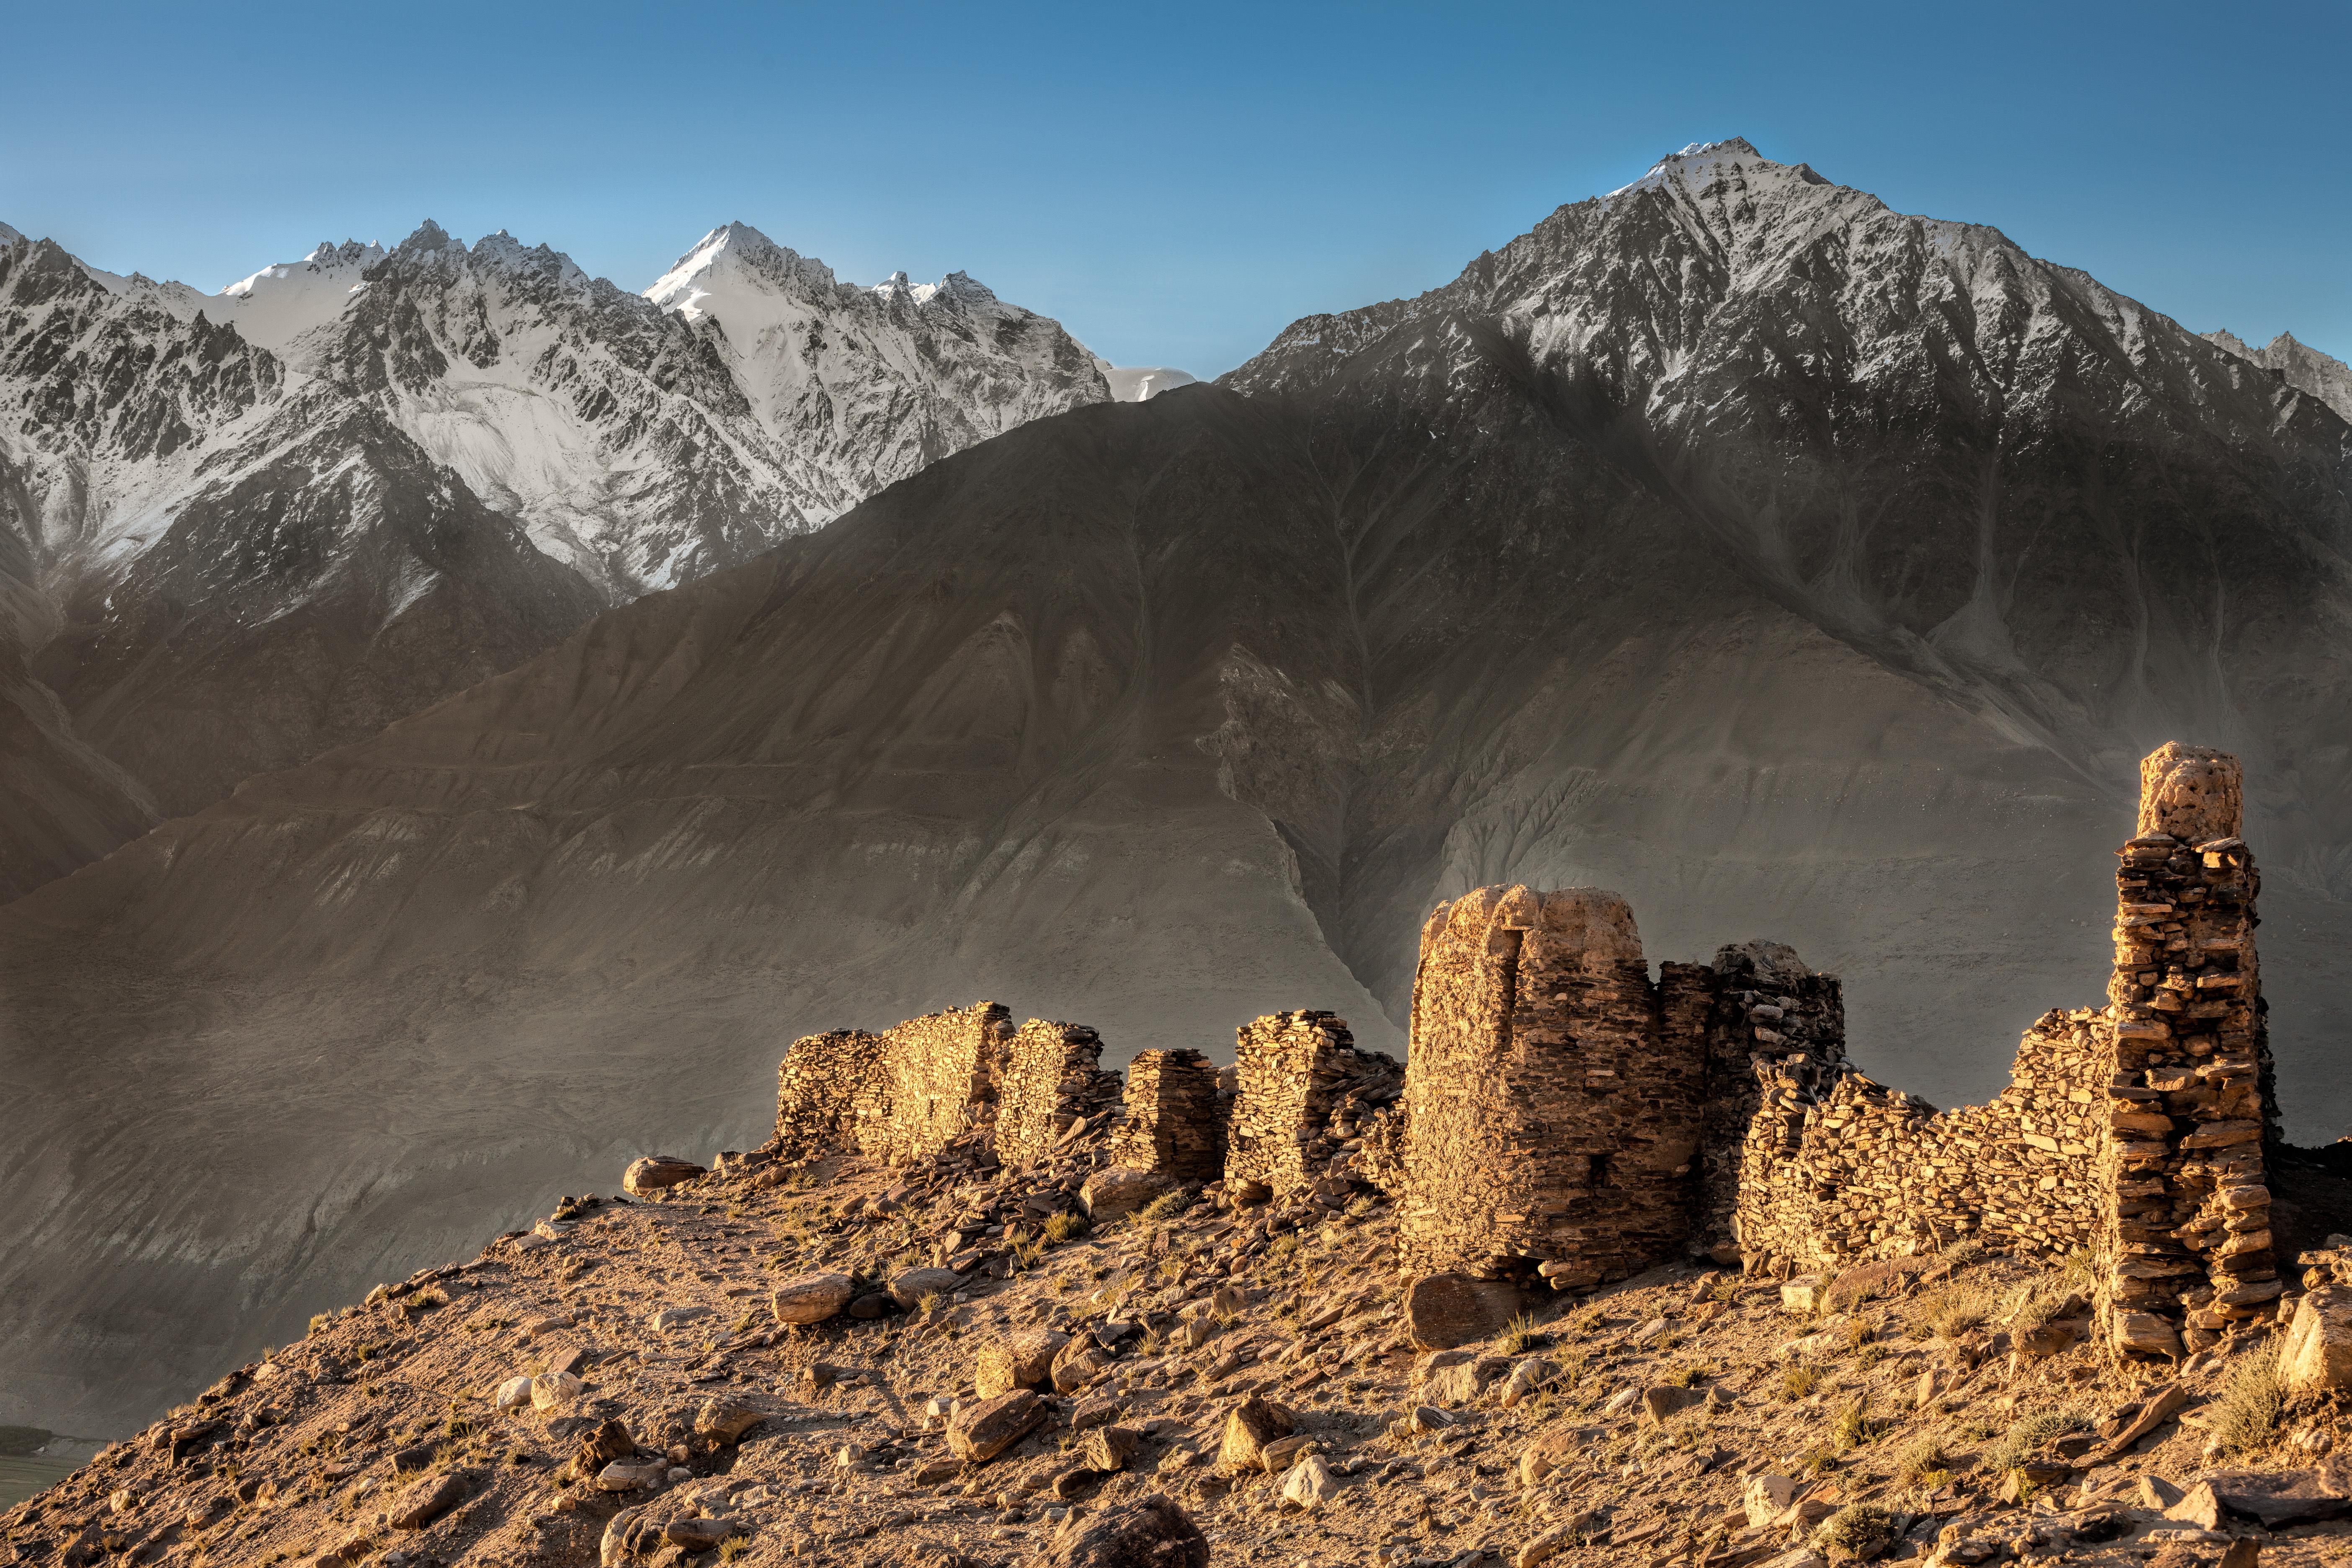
point(2301, 366)
point(10, 235)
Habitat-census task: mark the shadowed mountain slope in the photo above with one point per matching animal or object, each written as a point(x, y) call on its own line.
point(1823, 582)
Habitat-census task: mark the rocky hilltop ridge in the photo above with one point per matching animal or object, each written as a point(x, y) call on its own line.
point(1609, 1270)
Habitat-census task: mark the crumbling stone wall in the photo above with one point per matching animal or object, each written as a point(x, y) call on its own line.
point(1050, 1079)
point(1553, 1123)
point(1765, 1015)
point(2136, 1129)
point(1175, 1118)
point(823, 1086)
point(1293, 1072)
point(900, 1096)
point(1835, 1165)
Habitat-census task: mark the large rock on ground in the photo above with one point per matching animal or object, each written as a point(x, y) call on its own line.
point(910, 1285)
point(986, 1427)
point(2316, 1356)
point(1110, 1193)
point(2274, 1497)
point(655, 1172)
point(812, 1297)
point(725, 1420)
point(1249, 1428)
point(1017, 1360)
point(1152, 1533)
point(428, 1500)
point(1444, 1311)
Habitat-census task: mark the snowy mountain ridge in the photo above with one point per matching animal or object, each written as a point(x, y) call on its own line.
point(436, 454)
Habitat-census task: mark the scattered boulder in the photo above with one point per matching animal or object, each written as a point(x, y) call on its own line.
point(1152, 1533)
point(1249, 1428)
point(1079, 1363)
point(812, 1297)
point(628, 1475)
point(2273, 1497)
point(725, 1420)
point(428, 1500)
point(910, 1285)
point(1661, 1404)
point(1309, 1484)
point(1805, 1296)
point(986, 1427)
point(670, 1318)
point(511, 1395)
point(870, 1306)
point(1109, 1449)
point(1546, 1547)
point(1766, 1498)
point(657, 1173)
point(700, 1534)
point(1115, 1191)
point(1464, 1380)
point(2316, 1356)
point(2147, 1334)
point(1019, 1361)
point(1444, 1310)
point(555, 1391)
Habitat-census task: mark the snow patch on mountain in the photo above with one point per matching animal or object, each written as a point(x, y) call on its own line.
point(1141, 384)
point(282, 301)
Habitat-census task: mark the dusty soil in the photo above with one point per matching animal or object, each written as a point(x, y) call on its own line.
point(306, 1454)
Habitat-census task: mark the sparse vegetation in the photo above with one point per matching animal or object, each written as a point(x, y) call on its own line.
point(1064, 1226)
point(1798, 1382)
point(2030, 1435)
point(1954, 1311)
point(2244, 1418)
point(1856, 1533)
point(1923, 1462)
point(1519, 1336)
point(1167, 1206)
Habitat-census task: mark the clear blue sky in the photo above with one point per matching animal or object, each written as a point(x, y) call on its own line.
point(1176, 182)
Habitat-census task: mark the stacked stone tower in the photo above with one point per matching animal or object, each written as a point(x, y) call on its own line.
point(1554, 1121)
point(2189, 1104)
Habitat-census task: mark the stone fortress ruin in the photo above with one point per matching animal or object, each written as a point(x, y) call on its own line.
point(1563, 1120)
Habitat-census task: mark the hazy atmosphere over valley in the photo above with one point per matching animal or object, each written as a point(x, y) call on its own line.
point(470, 700)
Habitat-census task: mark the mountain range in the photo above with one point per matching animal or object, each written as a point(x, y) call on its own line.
point(1798, 568)
point(240, 529)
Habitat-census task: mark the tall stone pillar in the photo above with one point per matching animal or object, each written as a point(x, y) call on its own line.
point(2189, 1103)
point(1555, 1122)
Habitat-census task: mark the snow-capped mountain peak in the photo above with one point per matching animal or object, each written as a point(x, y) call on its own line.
point(280, 303)
point(9, 235)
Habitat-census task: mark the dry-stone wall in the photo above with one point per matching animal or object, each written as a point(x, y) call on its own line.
point(823, 1088)
point(900, 1096)
point(1766, 1017)
point(2136, 1130)
point(1553, 1124)
point(1295, 1072)
point(1854, 1169)
point(1175, 1118)
point(1050, 1080)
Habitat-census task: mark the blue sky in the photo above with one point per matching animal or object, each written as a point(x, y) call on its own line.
point(1178, 183)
